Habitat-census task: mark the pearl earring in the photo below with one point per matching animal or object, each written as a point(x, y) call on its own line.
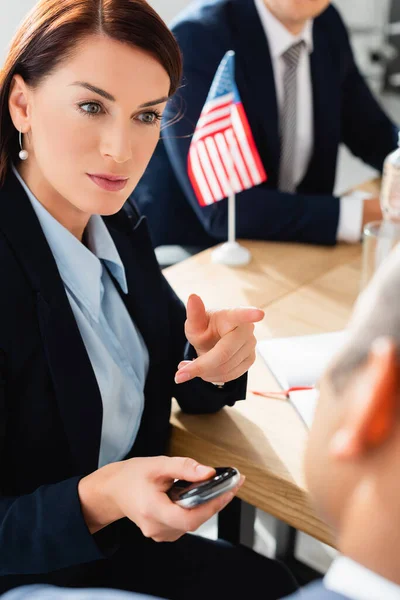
point(24, 153)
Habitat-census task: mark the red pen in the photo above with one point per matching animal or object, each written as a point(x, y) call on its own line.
point(283, 392)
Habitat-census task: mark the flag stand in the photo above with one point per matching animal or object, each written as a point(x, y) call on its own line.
point(231, 252)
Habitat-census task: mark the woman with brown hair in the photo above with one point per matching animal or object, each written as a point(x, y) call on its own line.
point(93, 341)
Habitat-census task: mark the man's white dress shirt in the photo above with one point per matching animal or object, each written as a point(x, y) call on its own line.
point(279, 40)
point(351, 579)
point(344, 577)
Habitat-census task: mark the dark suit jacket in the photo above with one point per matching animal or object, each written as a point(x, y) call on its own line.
point(344, 111)
point(316, 591)
point(50, 404)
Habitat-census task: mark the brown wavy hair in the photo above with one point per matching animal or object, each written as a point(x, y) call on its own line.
point(52, 30)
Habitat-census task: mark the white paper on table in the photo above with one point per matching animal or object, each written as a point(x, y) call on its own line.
point(305, 402)
point(300, 361)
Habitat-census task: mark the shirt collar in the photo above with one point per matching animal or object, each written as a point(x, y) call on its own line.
point(279, 38)
point(80, 266)
point(102, 245)
point(354, 581)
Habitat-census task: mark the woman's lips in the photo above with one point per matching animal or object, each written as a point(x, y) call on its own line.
point(109, 183)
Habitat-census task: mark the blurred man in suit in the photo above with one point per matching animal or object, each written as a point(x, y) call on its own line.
point(353, 455)
point(303, 95)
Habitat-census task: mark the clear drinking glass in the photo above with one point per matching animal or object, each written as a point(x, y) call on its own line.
point(379, 239)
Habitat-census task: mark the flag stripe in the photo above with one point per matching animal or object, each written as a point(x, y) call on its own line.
point(218, 166)
point(252, 148)
point(212, 129)
point(218, 102)
point(209, 171)
point(219, 145)
point(229, 164)
point(216, 114)
point(238, 160)
point(198, 180)
point(245, 151)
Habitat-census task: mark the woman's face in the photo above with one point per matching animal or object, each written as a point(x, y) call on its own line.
point(94, 119)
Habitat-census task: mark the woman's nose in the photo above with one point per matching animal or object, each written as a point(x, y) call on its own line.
point(117, 145)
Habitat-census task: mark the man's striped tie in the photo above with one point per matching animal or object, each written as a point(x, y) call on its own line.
point(289, 118)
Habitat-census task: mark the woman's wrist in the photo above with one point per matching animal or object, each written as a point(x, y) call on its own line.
point(95, 492)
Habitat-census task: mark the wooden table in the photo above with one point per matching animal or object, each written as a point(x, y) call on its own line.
point(303, 289)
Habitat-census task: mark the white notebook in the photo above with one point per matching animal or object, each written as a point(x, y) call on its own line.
point(300, 361)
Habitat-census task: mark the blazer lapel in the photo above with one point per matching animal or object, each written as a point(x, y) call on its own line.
point(145, 294)
point(256, 82)
point(75, 384)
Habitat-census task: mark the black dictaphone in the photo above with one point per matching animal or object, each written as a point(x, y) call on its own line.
point(189, 494)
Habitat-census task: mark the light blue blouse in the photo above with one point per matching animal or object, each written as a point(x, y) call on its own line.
point(116, 349)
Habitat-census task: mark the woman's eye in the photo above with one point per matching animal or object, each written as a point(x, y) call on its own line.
point(90, 108)
point(149, 118)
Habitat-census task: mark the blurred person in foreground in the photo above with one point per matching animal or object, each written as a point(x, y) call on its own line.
point(353, 454)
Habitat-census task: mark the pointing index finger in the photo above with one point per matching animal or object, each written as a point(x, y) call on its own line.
point(236, 316)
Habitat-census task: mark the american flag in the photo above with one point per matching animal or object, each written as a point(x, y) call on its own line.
point(223, 158)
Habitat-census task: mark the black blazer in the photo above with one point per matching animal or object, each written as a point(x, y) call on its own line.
point(345, 111)
point(50, 404)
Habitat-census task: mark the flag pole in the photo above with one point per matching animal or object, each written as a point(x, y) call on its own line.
point(231, 218)
point(231, 252)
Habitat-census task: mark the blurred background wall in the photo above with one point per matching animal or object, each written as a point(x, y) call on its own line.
point(365, 18)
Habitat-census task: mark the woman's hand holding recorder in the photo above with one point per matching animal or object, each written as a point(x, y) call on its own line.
point(138, 489)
